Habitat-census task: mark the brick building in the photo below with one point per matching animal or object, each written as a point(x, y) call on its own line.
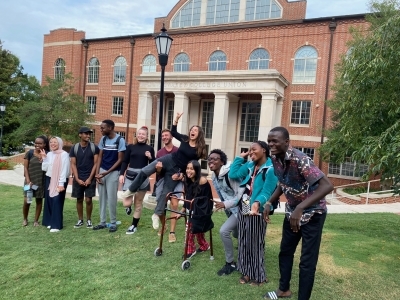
point(237, 69)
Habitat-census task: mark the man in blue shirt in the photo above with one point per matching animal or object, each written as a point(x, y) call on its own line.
point(112, 149)
point(305, 188)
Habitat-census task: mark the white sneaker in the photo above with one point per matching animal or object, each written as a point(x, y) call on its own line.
point(48, 227)
point(54, 230)
point(156, 221)
point(127, 194)
point(131, 230)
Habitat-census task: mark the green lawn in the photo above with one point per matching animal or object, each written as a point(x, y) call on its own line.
point(359, 259)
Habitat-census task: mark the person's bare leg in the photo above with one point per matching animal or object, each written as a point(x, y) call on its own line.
point(79, 208)
point(138, 203)
point(174, 206)
point(89, 208)
point(25, 212)
point(39, 204)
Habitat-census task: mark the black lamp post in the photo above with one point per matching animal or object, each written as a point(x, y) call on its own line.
point(163, 44)
point(2, 110)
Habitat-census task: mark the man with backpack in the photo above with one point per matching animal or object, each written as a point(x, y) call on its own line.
point(112, 148)
point(84, 157)
point(229, 192)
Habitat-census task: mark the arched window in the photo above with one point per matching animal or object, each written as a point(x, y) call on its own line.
point(181, 63)
point(59, 69)
point(222, 11)
point(120, 69)
point(262, 9)
point(149, 64)
point(217, 61)
point(305, 65)
point(93, 70)
point(259, 59)
point(188, 15)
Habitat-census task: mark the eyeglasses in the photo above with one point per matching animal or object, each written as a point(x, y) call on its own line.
point(213, 158)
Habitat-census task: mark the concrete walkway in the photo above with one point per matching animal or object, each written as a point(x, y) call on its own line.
point(16, 177)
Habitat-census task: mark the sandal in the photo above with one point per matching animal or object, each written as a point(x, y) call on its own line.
point(25, 223)
point(256, 283)
point(274, 295)
point(36, 223)
point(244, 279)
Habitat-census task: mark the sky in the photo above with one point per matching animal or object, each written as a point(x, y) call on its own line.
point(23, 23)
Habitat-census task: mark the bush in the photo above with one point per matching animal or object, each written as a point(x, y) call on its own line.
point(5, 165)
point(359, 190)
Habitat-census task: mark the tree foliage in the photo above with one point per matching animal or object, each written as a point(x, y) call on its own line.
point(366, 105)
point(15, 87)
point(55, 111)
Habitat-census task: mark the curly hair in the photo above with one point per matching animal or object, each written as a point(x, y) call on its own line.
point(221, 154)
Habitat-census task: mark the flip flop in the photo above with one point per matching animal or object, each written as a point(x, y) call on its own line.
point(25, 223)
point(273, 295)
point(244, 279)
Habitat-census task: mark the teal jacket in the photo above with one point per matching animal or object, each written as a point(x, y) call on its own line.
point(262, 190)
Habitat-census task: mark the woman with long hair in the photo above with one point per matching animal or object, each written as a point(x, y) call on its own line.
point(57, 167)
point(259, 182)
point(34, 177)
point(196, 186)
point(192, 147)
point(137, 156)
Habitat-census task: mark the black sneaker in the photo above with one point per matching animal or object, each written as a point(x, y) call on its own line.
point(189, 255)
point(100, 226)
point(227, 269)
point(79, 224)
point(200, 251)
point(128, 210)
point(131, 230)
point(89, 224)
point(113, 228)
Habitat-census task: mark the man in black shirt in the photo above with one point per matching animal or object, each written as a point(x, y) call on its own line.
point(84, 157)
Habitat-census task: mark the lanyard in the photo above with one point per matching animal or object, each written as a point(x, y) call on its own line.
point(256, 168)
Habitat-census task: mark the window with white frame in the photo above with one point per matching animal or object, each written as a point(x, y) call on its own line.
point(59, 69)
point(93, 70)
point(188, 15)
point(348, 168)
point(301, 111)
point(152, 140)
point(305, 65)
point(120, 69)
point(250, 121)
point(121, 133)
point(207, 118)
point(149, 64)
point(93, 135)
point(118, 105)
point(259, 59)
point(91, 104)
point(262, 9)
point(170, 113)
point(222, 11)
point(217, 61)
point(307, 151)
point(181, 63)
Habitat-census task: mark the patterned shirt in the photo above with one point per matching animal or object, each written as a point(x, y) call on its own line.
point(298, 178)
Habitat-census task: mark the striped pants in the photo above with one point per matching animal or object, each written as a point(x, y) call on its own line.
point(251, 241)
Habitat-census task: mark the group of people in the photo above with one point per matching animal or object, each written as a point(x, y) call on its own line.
point(248, 190)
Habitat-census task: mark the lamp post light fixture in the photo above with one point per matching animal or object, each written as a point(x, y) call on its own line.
point(163, 44)
point(2, 110)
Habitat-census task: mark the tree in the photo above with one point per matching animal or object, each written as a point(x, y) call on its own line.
point(55, 111)
point(14, 87)
point(365, 107)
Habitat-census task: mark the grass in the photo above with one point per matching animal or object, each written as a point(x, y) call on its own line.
point(359, 259)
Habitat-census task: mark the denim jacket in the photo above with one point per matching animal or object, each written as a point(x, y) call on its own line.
point(230, 196)
point(262, 190)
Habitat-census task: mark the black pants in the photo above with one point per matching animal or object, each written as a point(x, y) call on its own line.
point(310, 234)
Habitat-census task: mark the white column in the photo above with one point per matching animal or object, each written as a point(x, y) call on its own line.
point(267, 115)
point(233, 121)
point(181, 104)
point(242, 11)
point(203, 12)
point(144, 109)
point(278, 113)
point(220, 122)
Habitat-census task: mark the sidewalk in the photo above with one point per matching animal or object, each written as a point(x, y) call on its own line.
point(16, 177)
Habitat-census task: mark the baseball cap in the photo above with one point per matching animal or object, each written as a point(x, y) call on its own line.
point(85, 129)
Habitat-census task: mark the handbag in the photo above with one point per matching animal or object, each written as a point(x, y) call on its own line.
point(131, 175)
